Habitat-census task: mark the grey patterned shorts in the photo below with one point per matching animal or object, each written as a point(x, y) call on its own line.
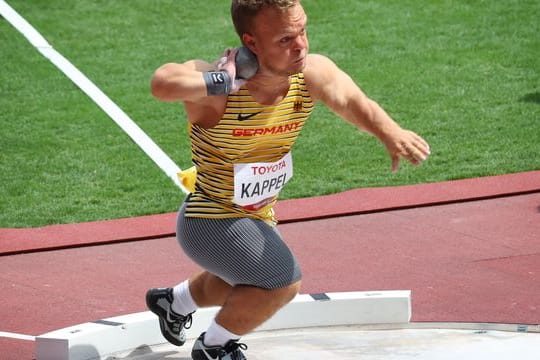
point(241, 251)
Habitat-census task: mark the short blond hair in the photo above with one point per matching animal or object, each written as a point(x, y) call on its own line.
point(243, 11)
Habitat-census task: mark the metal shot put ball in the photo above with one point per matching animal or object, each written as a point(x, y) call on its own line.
point(246, 63)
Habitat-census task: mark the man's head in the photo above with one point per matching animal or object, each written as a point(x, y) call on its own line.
point(275, 30)
point(243, 11)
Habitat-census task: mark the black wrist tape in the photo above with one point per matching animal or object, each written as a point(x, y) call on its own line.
point(217, 82)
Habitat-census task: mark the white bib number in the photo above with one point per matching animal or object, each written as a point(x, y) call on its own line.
point(256, 184)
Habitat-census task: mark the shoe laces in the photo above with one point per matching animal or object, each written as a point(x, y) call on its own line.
point(233, 348)
point(182, 321)
point(187, 321)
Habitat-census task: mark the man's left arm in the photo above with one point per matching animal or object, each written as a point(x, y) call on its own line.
point(340, 94)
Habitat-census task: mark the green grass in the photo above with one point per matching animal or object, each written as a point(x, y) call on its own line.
point(463, 74)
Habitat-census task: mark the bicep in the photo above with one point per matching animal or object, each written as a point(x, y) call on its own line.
point(337, 90)
point(174, 82)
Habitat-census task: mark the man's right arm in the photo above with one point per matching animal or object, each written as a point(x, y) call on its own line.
point(195, 80)
point(181, 82)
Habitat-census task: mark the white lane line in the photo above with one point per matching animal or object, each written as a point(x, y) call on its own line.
point(107, 105)
point(17, 336)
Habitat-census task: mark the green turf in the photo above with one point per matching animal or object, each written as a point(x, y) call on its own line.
point(464, 74)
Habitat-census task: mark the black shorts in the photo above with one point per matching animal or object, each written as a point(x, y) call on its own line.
point(241, 251)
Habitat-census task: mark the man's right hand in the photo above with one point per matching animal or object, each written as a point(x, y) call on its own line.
point(227, 62)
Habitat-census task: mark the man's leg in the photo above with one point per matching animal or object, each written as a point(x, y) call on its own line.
point(239, 251)
point(248, 307)
point(174, 306)
point(243, 308)
point(208, 290)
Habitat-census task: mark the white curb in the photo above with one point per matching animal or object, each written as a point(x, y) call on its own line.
point(90, 341)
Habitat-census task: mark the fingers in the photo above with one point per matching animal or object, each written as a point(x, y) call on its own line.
point(395, 163)
point(413, 148)
point(222, 61)
point(415, 159)
point(226, 52)
point(421, 146)
point(416, 153)
point(226, 62)
point(229, 55)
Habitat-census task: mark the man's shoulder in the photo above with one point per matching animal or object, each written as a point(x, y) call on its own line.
point(319, 65)
point(315, 60)
point(319, 71)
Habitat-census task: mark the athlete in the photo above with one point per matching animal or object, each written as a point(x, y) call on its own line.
point(242, 133)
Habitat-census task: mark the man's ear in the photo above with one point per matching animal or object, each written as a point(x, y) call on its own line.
point(249, 41)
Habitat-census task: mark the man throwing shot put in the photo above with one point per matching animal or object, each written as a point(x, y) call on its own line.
point(242, 131)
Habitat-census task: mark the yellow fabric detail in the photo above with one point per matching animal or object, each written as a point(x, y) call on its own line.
point(187, 178)
point(248, 132)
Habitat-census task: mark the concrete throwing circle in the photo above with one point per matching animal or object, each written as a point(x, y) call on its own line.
point(355, 342)
point(350, 325)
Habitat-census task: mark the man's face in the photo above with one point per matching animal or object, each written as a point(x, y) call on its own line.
point(280, 40)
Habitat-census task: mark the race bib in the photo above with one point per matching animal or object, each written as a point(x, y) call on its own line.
point(256, 184)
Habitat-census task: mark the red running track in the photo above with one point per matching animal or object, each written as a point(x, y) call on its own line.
point(469, 250)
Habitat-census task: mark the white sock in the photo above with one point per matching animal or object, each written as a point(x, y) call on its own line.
point(217, 335)
point(183, 303)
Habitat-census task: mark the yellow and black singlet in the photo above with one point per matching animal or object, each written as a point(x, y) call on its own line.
point(244, 161)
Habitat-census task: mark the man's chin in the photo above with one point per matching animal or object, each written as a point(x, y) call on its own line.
point(299, 66)
point(296, 68)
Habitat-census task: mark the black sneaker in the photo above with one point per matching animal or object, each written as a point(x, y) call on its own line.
point(231, 351)
point(172, 324)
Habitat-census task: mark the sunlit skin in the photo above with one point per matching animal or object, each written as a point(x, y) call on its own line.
point(279, 38)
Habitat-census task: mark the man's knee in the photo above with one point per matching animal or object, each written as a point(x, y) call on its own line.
point(286, 294)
